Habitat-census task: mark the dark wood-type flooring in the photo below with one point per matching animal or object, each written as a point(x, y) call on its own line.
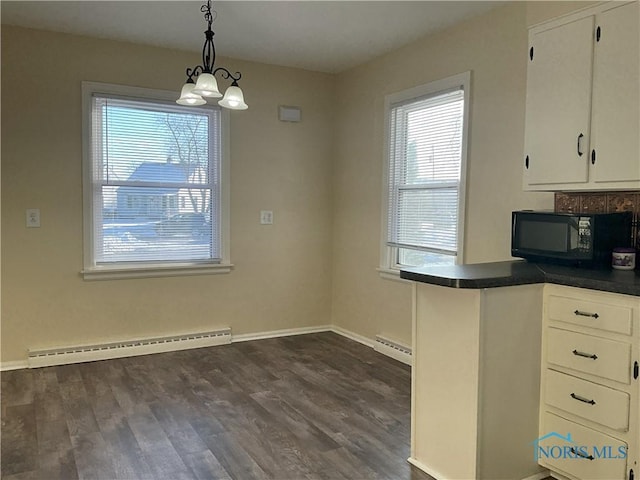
point(306, 407)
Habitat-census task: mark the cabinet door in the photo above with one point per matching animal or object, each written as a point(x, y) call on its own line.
point(616, 86)
point(559, 104)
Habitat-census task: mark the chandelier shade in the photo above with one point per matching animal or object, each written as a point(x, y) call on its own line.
point(233, 99)
point(188, 97)
point(207, 86)
point(201, 81)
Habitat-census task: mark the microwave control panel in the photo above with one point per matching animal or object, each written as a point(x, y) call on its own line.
point(584, 234)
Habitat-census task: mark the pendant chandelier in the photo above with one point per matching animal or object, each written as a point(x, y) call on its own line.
point(206, 85)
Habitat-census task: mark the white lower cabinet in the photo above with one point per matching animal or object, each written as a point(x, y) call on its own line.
point(589, 407)
point(603, 405)
point(476, 380)
point(589, 354)
point(589, 455)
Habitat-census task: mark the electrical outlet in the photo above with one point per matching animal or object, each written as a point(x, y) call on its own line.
point(266, 217)
point(33, 217)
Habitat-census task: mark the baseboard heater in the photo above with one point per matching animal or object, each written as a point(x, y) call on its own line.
point(392, 349)
point(129, 348)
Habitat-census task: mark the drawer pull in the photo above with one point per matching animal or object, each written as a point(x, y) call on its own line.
point(582, 399)
point(586, 314)
point(593, 356)
point(581, 455)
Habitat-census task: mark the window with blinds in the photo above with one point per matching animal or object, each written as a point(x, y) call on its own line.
point(155, 182)
point(426, 139)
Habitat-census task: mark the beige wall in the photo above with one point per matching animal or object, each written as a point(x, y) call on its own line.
point(493, 47)
point(322, 178)
point(281, 277)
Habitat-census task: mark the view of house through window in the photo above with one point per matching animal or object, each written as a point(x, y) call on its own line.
point(155, 181)
point(426, 181)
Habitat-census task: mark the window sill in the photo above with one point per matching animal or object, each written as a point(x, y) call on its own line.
point(150, 271)
point(391, 274)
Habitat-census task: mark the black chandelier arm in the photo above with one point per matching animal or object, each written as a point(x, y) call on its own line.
point(226, 74)
point(198, 69)
point(194, 72)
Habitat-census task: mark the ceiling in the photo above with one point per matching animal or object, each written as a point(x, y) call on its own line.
point(325, 36)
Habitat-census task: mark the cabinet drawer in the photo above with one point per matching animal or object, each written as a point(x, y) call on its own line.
point(589, 400)
point(611, 318)
point(609, 455)
point(586, 353)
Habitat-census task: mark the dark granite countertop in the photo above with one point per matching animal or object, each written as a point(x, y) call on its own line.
point(519, 272)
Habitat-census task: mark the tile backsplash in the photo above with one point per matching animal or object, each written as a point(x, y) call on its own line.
point(603, 202)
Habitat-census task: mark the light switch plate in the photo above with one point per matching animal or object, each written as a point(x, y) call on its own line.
point(33, 217)
point(266, 217)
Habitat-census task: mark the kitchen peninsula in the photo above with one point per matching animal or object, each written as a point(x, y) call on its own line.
point(478, 350)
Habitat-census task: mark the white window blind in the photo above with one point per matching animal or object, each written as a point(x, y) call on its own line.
point(155, 170)
point(425, 159)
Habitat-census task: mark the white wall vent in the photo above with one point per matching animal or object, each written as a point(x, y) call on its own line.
point(129, 348)
point(393, 349)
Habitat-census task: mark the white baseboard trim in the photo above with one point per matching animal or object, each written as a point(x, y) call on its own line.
point(353, 336)
point(287, 332)
point(425, 469)
point(13, 365)
point(439, 476)
point(539, 476)
point(90, 356)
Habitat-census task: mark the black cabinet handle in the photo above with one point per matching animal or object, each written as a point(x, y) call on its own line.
point(586, 314)
point(580, 152)
point(592, 356)
point(581, 455)
point(526, 162)
point(582, 399)
point(593, 157)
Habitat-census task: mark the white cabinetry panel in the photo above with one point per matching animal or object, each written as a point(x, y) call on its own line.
point(586, 353)
point(587, 442)
point(602, 405)
point(596, 315)
point(583, 101)
point(616, 86)
point(590, 390)
point(559, 103)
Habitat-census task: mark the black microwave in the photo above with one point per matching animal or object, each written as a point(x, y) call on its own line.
point(580, 239)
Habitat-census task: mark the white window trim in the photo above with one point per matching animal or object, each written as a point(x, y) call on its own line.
point(91, 271)
point(388, 268)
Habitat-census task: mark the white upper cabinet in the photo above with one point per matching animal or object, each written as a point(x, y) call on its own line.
point(615, 119)
point(582, 128)
point(559, 103)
